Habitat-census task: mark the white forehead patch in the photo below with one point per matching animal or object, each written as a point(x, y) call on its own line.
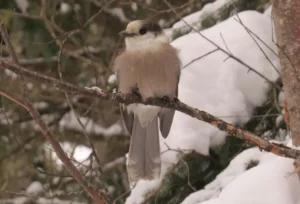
point(146, 42)
point(134, 26)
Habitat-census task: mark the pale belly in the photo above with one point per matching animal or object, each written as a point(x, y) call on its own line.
point(145, 113)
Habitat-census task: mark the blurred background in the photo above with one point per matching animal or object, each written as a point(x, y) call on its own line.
point(77, 41)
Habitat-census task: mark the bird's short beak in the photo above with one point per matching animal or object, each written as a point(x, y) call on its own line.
point(126, 34)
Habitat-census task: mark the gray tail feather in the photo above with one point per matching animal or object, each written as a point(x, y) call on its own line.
point(144, 152)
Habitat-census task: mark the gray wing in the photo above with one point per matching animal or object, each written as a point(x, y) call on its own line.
point(166, 117)
point(127, 118)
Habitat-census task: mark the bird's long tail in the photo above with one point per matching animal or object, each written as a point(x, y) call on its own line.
point(144, 152)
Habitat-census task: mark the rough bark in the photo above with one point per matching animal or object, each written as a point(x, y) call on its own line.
point(286, 16)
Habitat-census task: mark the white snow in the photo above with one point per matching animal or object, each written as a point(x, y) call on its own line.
point(196, 18)
point(118, 12)
point(279, 119)
point(236, 167)
point(34, 188)
point(70, 121)
point(268, 12)
point(65, 8)
point(79, 153)
point(217, 85)
point(112, 79)
point(281, 98)
point(270, 182)
point(267, 184)
point(41, 105)
point(134, 6)
point(10, 74)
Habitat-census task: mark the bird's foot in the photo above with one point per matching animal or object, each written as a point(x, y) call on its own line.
point(175, 99)
point(166, 98)
point(169, 99)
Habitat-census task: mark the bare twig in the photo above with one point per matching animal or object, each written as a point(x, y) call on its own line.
point(17, 148)
point(117, 162)
point(239, 20)
point(8, 43)
point(75, 113)
point(188, 173)
point(96, 14)
point(198, 58)
point(40, 60)
point(225, 43)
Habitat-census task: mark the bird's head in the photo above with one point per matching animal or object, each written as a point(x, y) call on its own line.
point(142, 34)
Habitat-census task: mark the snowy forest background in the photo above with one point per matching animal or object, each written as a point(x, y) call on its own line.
point(76, 41)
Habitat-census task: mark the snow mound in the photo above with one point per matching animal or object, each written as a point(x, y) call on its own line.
point(270, 182)
point(237, 166)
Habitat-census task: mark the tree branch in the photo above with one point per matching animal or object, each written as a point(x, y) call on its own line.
point(249, 137)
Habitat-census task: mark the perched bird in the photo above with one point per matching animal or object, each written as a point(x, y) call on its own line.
point(149, 66)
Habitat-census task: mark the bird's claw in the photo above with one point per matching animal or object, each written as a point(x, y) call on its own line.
point(169, 99)
point(166, 98)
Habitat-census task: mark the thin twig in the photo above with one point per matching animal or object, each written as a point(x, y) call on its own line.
point(198, 58)
point(96, 14)
point(8, 43)
point(260, 48)
point(40, 60)
point(225, 43)
point(75, 113)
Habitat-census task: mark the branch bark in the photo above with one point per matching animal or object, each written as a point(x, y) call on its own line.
point(286, 17)
point(249, 137)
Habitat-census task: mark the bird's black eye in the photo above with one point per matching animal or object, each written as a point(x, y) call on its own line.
point(143, 31)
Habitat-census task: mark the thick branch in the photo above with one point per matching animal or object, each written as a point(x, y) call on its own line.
point(280, 150)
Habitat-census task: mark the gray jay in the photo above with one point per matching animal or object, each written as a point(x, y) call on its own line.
point(149, 66)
